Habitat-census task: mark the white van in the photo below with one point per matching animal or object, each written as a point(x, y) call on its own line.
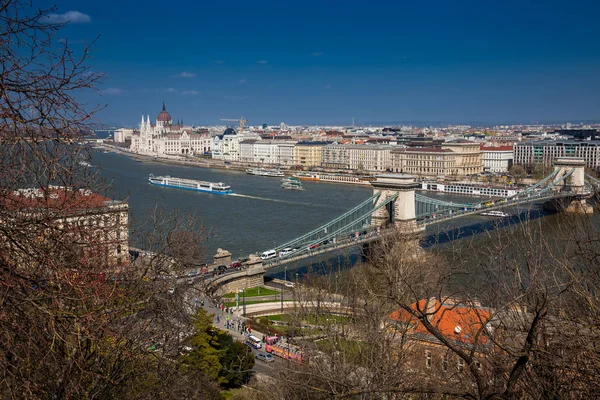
point(268, 254)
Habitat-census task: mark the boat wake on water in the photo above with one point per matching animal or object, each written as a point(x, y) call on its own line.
point(267, 199)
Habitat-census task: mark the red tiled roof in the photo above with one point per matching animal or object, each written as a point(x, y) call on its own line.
point(427, 150)
point(457, 322)
point(499, 148)
point(56, 199)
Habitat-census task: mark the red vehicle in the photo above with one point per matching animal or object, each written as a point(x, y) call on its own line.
point(236, 265)
point(284, 352)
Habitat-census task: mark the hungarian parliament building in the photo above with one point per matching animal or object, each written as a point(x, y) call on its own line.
point(164, 137)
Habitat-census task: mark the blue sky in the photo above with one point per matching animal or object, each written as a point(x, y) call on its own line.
point(318, 62)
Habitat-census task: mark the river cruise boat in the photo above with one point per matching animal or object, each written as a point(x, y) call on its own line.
point(291, 183)
point(468, 189)
point(335, 178)
point(265, 172)
point(307, 176)
point(499, 214)
point(190, 184)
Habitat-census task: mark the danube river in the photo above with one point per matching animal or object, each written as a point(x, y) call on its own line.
point(260, 214)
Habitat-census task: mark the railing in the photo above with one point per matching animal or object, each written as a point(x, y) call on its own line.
point(308, 245)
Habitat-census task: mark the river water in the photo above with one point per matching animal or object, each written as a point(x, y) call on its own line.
point(260, 214)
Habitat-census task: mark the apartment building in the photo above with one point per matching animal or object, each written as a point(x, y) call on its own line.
point(372, 158)
point(309, 154)
point(427, 161)
point(96, 226)
point(467, 156)
point(497, 159)
point(452, 158)
point(546, 151)
point(277, 152)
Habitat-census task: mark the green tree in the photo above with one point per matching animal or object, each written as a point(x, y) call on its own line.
point(218, 355)
point(540, 171)
point(205, 356)
point(518, 172)
point(237, 362)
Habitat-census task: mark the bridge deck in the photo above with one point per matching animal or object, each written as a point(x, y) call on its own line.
point(375, 233)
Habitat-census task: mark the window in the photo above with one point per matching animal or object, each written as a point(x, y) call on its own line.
point(428, 359)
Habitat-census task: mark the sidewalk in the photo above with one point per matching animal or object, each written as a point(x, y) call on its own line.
point(235, 321)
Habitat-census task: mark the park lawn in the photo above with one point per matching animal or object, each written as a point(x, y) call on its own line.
point(253, 292)
point(351, 347)
point(279, 317)
point(232, 303)
point(326, 319)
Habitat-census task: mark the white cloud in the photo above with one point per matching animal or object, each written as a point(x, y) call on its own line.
point(190, 93)
point(243, 80)
point(113, 91)
point(171, 90)
point(262, 62)
point(73, 17)
point(185, 74)
point(317, 54)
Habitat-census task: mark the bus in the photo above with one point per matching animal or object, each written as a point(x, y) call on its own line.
point(253, 342)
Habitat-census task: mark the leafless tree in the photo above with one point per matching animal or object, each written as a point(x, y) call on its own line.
point(531, 294)
point(74, 322)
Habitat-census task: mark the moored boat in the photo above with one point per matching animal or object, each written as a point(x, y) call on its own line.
point(265, 172)
point(307, 176)
point(190, 184)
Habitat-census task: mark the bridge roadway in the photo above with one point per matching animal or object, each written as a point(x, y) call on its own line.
point(375, 233)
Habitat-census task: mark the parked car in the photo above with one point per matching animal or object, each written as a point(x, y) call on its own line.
point(289, 284)
point(265, 357)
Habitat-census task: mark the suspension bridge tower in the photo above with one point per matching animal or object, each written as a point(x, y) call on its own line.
point(572, 169)
point(401, 211)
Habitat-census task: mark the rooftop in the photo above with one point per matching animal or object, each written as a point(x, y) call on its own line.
point(458, 322)
point(56, 198)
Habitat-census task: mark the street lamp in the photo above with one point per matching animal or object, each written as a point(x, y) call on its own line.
point(283, 289)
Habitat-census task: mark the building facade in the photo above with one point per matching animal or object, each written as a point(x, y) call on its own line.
point(309, 154)
point(544, 152)
point(457, 158)
point(95, 227)
point(497, 159)
point(336, 156)
point(273, 152)
point(166, 138)
point(467, 156)
point(427, 161)
point(371, 158)
point(122, 135)
point(227, 146)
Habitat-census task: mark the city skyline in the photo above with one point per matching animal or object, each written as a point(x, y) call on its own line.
point(315, 63)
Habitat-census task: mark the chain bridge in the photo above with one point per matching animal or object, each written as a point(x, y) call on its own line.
point(395, 207)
